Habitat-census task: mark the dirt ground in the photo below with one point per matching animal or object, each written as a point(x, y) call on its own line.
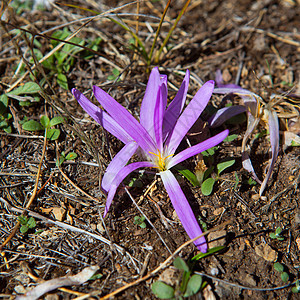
point(248, 41)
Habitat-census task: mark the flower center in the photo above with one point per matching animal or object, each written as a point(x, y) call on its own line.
point(161, 164)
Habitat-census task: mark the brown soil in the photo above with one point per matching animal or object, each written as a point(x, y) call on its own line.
point(241, 38)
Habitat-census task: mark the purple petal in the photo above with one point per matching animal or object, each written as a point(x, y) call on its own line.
point(252, 123)
point(125, 120)
point(159, 112)
point(238, 90)
point(187, 153)
point(247, 165)
point(120, 177)
point(174, 109)
point(249, 98)
point(118, 162)
point(224, 114)
point(183, 209)
point(218, 77)
point(101, 117)
point(189, 116)
point(149, 104)
point(274, 139)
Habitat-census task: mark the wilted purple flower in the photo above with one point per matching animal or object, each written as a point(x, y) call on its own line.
point(257, 111)
point(155, 138)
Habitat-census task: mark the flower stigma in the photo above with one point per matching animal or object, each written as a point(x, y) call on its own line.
point(161, 164)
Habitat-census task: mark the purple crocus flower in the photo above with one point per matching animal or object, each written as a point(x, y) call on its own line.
point(155, 138)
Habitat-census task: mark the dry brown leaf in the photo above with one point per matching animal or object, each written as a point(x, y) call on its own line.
point(266, 252)
point(53, 284)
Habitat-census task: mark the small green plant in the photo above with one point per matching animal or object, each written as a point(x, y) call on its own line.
point(208, 184)
point(140, 221)
point(189, 286)
point(250, 181)
point(207, 177)
point(60, 62)
point(45, 123)
point(163, 290)
point(115, 75)
point(277, 234)
point(212, 175)
point(296, 288)
point(25, 94)
point(96, 276)
point(63, 157)
point(5, 117)
point(26, 223)
point(190, 283)
point(280, 268)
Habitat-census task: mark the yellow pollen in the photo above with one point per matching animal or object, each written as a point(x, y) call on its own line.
point(161, 164)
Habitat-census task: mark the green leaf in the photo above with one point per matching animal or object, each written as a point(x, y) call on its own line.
point(60, 160)
point(296, 289)
point(32, 125)
point(24, 229)
point(224, 165)
point(62, 81)
point(25, 103)
point(251, 181)
point(162, 290)
point(278, 267)
point(294, 144)
point(23, 220)
point(208, 172)
point(96, 276)
point(137, 220)
point(45, 121)
point(3, 103)
point(53, 134)
point(71, 156)
point(27, 88)
point(8, 129)
point(207, 186)
point(188, 175)
point(209, 152)
point(230, 138)
point(278, 231)
point(209, 252)
point(3, 124)
point(193, 285)
point(285, 277)
point(236, 180)
point(55, 121)
point(143, 225)
point(180, 264)
point(31, 222)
